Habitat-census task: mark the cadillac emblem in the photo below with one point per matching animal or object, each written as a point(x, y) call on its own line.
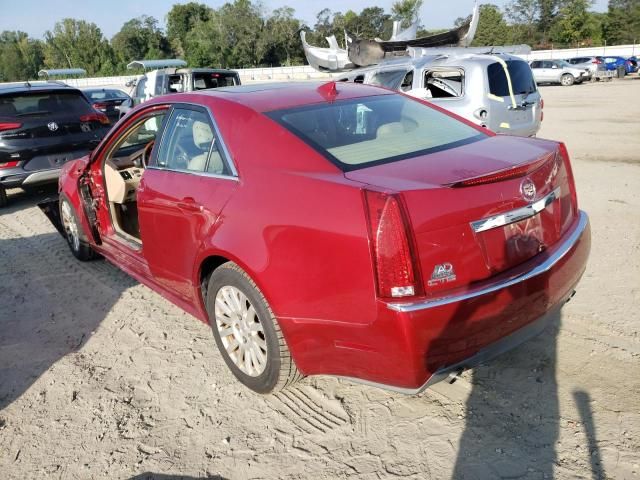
point(528, 190)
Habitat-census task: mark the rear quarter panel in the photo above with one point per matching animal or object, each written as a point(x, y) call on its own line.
point(295, 224)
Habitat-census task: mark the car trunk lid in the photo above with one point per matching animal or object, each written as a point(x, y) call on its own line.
point(478, 210)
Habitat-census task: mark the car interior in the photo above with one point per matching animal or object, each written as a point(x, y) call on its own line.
point(188, 146)
point(123, 169)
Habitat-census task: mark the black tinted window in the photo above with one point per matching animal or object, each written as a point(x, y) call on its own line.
point(40, 103)
point(521, 78)
point(202, 81)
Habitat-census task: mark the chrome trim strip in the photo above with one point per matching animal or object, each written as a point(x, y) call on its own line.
point(515, 215)
point(556, 256)
point(194, 172)
point(44, 176)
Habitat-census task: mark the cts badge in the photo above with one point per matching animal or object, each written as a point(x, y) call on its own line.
point(53, 126)
point(443, 273)
point(528, 190)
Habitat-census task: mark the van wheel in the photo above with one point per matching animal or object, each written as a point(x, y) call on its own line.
point(247, 333)
point(567, 80)
point(74, 233)
point(3, 197)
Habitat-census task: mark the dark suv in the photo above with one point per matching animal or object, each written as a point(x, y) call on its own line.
point(42, 126)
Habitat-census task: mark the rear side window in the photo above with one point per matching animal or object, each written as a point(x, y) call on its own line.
point(202, 81)
point(520, 74)
point(373, 130)
point(39, 103)
point(444, 83)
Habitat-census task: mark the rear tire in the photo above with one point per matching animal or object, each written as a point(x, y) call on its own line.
point(3, 197)
point(567, 80)
point(247, 332)
point(74, 233)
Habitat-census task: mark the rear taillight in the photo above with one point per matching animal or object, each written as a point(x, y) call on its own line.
point(389, 232)
point(541, 109)
point(100, 106)
point(9, 164)
point(564, 154)
point(95, 117)
point(9, 126)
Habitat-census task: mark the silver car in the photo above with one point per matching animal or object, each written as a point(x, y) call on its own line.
point(496, 91)
point(593, 64)
point(558, 71)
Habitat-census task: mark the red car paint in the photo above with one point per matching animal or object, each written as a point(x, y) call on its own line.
point(298, 226)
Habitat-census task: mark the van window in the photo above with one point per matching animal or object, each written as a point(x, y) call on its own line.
point(204, 80)
point(407, 83)
point(388, 78)
point(444, 83)
point(520, 74)
point(359, 79)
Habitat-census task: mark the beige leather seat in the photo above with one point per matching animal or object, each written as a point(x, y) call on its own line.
point(202, 138)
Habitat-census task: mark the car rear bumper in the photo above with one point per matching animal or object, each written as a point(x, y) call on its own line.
point(411, 345)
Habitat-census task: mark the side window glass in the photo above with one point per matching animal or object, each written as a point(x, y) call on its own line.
point(407, 83)
point(138, 138)
point(535, 64)
point(189, 144)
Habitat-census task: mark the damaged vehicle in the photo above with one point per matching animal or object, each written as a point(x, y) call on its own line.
point(361, 233)
point(493, 90)
point(43, 125)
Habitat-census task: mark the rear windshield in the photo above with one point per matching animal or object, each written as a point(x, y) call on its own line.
point(520, 74)
point(373, 130)
point(202, 81)
point(39, 103)
point(105, 94)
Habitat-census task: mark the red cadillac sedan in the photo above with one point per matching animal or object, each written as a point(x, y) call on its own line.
point(332, 229)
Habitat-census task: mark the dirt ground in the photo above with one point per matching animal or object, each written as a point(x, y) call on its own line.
point(102, 378)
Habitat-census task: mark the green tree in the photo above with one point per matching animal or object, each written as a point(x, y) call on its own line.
point(523, 16)
point(181, 19)
point(492, 27)
point(20, 56)
point(140, 38)
point(407, 11)
point(76, 43)
point(622, 25)
point(281, 43)
point(574, 23)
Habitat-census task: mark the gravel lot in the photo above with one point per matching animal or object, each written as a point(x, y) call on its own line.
point(102, 378)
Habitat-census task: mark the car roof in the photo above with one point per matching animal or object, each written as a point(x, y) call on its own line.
point(264, 97)
point(23, 87)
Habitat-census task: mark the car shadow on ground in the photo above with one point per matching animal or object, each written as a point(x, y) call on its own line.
point(20, 200)
point(51, 305)
point(512, 415)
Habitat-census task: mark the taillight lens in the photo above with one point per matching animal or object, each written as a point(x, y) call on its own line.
point(95, 117)
point(396, 271)
point(9, 126)
point(100, 106)
point(9, 164)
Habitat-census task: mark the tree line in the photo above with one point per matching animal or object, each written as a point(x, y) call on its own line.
point(242, 34)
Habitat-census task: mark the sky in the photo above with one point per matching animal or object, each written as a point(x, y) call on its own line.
point(37, 16)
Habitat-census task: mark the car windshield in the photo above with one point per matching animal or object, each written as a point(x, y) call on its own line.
point(40, 103)
point(520, 75)
point(373, 130)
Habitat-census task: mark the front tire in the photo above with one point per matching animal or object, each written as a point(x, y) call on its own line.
point(74, 233)
point(567, 80)
point(247, 333)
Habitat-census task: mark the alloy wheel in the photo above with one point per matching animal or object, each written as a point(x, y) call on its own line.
point(70, 226)
point(241, 331)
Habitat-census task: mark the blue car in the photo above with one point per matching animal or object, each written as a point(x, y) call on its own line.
point(612, 63)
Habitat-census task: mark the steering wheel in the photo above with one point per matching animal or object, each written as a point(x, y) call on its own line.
point(146, 153)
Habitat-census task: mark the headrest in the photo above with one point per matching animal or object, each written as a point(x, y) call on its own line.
point(202, 134)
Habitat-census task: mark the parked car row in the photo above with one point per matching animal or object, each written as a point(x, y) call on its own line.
point(580, 69)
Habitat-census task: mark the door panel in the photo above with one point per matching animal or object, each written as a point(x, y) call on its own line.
point(180, 199)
